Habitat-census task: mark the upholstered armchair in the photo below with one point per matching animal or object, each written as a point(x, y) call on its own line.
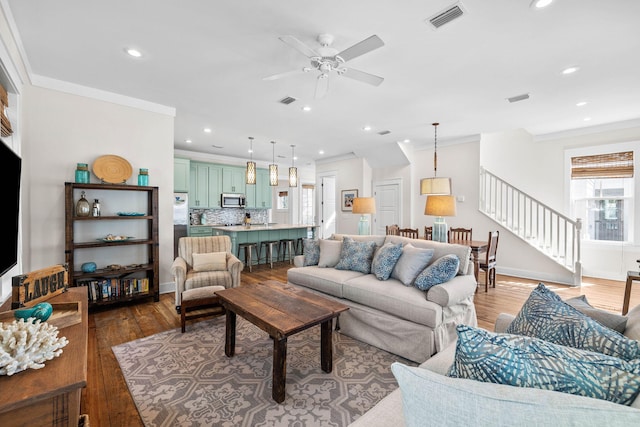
point(213, 265)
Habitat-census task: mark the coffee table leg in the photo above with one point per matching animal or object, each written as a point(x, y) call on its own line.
point(326, 346)
point(279, 369)
point(230, 337)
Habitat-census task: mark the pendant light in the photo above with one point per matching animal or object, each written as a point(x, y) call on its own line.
point(293, 171)
point(251, 165)
point(435, 186)
point(273, 168)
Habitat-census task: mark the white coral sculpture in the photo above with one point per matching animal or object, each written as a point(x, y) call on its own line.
point(27, 344)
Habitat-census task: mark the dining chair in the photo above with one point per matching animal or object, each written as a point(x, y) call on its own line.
point(428, 233)
point(460, 233)
point(489, 264)
point(408, 232)
point(392, 229)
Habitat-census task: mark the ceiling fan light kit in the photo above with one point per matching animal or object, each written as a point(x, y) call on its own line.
point(436, 186)
point(327, 59)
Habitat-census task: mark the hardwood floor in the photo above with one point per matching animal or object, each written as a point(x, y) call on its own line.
point(106, 398)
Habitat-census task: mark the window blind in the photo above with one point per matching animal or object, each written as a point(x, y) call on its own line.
point(612, 165)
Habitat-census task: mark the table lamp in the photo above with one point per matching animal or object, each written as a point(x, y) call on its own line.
point(440, 206)
point(364, 206)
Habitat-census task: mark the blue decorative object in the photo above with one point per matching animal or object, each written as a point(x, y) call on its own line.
point(544, 315)
point(385, 259)
point(88, 267)
point(523, 361)
point(356, 256)
point(82, 173)
point(41, 311)
point(311, 252)
point(143, 177)
point(441, 270)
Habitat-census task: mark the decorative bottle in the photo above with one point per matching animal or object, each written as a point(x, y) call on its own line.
point(82, 207)
point(96, 208)
point(143, 177)
point(82, 173)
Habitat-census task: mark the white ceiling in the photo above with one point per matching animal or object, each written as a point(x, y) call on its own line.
point(207, 60)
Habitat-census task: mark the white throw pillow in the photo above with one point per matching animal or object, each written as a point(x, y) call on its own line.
point(212, 261)
point(412, 261)
point(329, 252)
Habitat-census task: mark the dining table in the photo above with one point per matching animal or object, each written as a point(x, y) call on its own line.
point(477, 247)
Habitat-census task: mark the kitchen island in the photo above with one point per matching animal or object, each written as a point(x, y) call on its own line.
point(257, 233)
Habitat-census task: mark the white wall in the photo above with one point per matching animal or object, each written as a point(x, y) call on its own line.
point(62, 129)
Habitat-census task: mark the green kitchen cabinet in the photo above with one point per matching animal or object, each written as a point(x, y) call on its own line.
point(205, 185)
point(181, 175)
point(233, 180)
point(263, 190)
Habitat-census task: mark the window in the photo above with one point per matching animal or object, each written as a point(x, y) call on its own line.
point(283, 200)
point(307, 204)
point(602, 195)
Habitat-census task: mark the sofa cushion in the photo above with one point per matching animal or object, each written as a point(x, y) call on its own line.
point(311, 248)
point(385, 259)
point(212, 261)
point(326, 280)
point(431, 399)
point(439, 249)
point(411, 262)
point(544, 315)
point(524, 361)
point(441, 270)
point(389, 296)
point(379, 239)
point(633, 324)
point(329, 253)
point(606, 318)
point(356, 256)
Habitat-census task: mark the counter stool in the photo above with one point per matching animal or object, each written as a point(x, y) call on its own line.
point(299, 246)
point(197, 299)
point(269, 246)
point(286, 246)
point(249, 248)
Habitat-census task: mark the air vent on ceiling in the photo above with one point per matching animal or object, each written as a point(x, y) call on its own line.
point(287, 100)
point(518, 98)
point(449, 14)
point(384, 132)
point(217, 146)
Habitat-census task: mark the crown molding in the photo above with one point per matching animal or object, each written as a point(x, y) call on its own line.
point(589, 130)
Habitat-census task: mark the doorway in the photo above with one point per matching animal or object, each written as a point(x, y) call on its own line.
point(388, 195)
point(327, 204)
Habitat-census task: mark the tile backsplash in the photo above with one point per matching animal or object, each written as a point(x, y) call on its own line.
point(227, 216)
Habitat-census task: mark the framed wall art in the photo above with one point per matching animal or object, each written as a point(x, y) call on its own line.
point(347, 199)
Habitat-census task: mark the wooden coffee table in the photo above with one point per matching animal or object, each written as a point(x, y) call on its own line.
point(280, 310)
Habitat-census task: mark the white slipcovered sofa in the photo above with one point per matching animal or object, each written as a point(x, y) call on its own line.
point(401, 319)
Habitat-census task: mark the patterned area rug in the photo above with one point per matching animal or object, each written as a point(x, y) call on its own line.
point(186, 380)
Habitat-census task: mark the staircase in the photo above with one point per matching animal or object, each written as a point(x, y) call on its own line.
point(545, 229)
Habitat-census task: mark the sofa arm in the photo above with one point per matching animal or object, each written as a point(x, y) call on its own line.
point(298, 261)
point(503, 321)
point(234, 266)
point(179, 271)
point(454, 291)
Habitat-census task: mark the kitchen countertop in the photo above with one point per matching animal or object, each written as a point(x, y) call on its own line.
point(258, 227)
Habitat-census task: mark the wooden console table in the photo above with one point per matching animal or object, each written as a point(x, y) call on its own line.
point(50, 396)
point(631, 276)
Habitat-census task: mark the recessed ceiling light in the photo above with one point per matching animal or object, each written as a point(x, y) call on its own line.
point(133, 52)
point(581, 104)
point(539, 4)
point(366, 128)
point(321, 152)
point(570, 70)
point(188, 141)
point(586, 119)
point(306, 108)
point(207, 130)
point(407, 141)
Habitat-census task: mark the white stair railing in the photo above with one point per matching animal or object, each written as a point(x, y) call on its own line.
point(544, 228)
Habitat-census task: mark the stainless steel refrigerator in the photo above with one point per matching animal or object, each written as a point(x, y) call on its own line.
point(180, 219)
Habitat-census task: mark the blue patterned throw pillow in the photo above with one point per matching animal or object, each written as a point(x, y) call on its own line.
point(441, 270)
point(544, 315)
point(311, 249)
point(385, 259)
point(523, 361)
point(356, 256)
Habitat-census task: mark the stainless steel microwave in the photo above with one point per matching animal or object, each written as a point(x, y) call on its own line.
point(229, 200)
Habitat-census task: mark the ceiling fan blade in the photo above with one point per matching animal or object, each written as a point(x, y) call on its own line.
point(285, 74)
point(362, 76)
point(322, 86)
point(366, 45)
point(299, 46)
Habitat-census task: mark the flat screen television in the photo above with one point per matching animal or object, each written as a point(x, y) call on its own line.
point(11, 165)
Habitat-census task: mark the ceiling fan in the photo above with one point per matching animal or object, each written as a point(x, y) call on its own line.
point(326, 59)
